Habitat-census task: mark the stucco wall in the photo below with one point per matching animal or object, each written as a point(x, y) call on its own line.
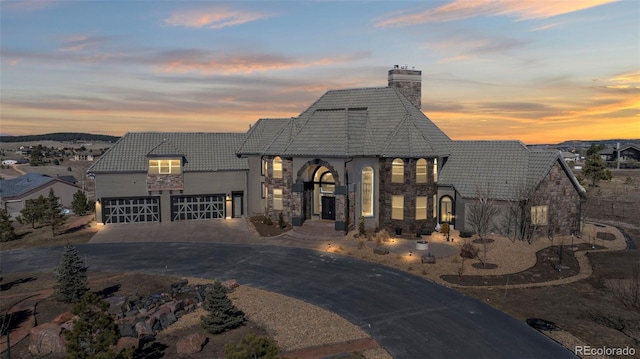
point(63, 190)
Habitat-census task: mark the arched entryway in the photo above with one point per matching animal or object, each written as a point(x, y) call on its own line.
point(323, 199)
point(317, 185)
point(446, 210)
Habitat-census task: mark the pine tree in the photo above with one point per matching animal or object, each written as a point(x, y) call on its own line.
point(595, 169)
point(33, 211)
point(223, 315)
point(79, 204)
point(71, 275)
point(94, 332)
point(53, 216)
point(7, 232)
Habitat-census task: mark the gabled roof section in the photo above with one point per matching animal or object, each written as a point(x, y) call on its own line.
point(19, 186)
point(358, 122)
point(165, 149)
point(506, 169)
point(203, 151)
point(261, 134)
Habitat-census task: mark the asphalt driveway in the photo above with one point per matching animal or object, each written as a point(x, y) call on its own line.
point(410, 317)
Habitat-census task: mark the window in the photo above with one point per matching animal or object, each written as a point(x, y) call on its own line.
point(164, 167)
point(397, 207)
point(263, 190)
point(435, 170)
point(539, 215)
point(277, 167)
point(367, 191)
point(421, 171)
point(421, 207)
point(435, 208)
point(446, 206)
point(277, 198)
point(263, 168)
point(397, 171)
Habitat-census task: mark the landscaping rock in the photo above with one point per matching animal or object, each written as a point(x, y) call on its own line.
point(144, 328)
point(191, 343)
point(126, 343)
point(63, 318)
point(127, 330)
point(167, 319)
point(230, 285)
point(116, 304)
point(45, 339)
point(380, 251)
point(175, 305)
point(428, 259)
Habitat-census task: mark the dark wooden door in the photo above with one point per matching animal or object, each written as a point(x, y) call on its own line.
point(329, 208)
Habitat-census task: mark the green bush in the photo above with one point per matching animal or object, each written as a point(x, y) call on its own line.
point(94, 332)
point(281, 221)
point(361, 228)
point(223, 315)
point(252, 347)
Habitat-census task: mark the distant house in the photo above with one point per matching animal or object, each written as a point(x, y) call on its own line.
point(627, 154)
point(9, 162)
point(15, 192)
point(366, 154)
point(570, 156)
point(83, 157)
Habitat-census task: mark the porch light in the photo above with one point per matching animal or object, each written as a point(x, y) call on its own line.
point(228, 197)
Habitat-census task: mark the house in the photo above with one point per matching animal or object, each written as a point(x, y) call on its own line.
point(153, 177)
point(627, 155)
point(83, 157)
point(9, 162)
point(15, 192)
point(365, 154)
point(570, 156)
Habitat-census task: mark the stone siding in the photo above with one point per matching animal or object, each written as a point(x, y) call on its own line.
point(157, 182)
point(410, 190)
point(558, 192)
point(283, 183)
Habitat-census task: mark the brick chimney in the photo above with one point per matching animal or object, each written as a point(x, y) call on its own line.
point(408, 82)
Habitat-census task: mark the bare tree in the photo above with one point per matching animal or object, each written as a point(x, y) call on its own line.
point(481, 215)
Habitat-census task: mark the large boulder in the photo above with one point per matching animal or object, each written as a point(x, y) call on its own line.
point(230, 285)
point(191, 343)
point(126, 343)
point(144, 328)
point(116, 304)
point(45, 339)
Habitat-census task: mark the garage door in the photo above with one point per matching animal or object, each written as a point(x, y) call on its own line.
point(197, 207)
point(131, 210)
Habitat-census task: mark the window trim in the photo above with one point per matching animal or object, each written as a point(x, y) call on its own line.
point(397, 171)
point(370, 196)
point(277, 199)
point(397, 207)
point(277, 167)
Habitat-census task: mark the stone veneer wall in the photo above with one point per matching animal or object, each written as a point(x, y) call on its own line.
point(558, 192)
point(410, 190)
point(157, 182)
point(288, 202)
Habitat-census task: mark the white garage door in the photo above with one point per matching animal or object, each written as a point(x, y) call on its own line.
point(197, 207)
point(131, 210)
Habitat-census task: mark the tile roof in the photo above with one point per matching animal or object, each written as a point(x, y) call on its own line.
point(16, 187)
point(202, 151)
point(504, 168)
point(261, 134)
point(358, 122)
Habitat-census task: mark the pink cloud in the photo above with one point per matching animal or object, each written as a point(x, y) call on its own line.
point(463, 9)
point(214, 18)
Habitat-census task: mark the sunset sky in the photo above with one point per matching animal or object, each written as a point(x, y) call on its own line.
point(538, 71)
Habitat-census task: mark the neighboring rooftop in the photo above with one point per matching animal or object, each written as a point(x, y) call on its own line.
point(18, 186)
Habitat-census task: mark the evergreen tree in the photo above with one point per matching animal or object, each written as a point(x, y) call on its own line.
point(37, 158)
point(53, 216)
point(7, 232)
point(71, 276)
point(223, 315)
point(94, 332)
point(33, 211)
point(79, 204)
point(254, 347)
point(595, 169)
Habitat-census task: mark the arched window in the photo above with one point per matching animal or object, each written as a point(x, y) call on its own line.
point(277, 167)
point(397, 171)
point(367, 191)
point(421, 171)
point(435, 170)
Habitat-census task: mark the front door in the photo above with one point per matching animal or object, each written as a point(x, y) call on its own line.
point(237, 205)
point(328, 208)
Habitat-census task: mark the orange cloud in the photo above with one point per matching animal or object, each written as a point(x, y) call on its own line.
point(226, 64)
point(463, 9)
point(214, 18)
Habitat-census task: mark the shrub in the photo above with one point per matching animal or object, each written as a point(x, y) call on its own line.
point(361, 228)
point(69, 169)
point(468, 251)
point(281, 221)
point(252, 346)
point(7, 232)
point(223, 315)
point(268, 221)
point(466, 234)
point(79, 204)
point(71, 276)
point(94, 332)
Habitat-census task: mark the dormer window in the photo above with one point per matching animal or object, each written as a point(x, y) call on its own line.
point(165, 167)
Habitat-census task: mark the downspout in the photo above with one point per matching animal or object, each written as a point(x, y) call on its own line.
point(346, 205)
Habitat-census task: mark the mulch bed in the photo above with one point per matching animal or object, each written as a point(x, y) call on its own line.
point(546, 269)
point(268, 230)
point(606, 236)
point(486, 240)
